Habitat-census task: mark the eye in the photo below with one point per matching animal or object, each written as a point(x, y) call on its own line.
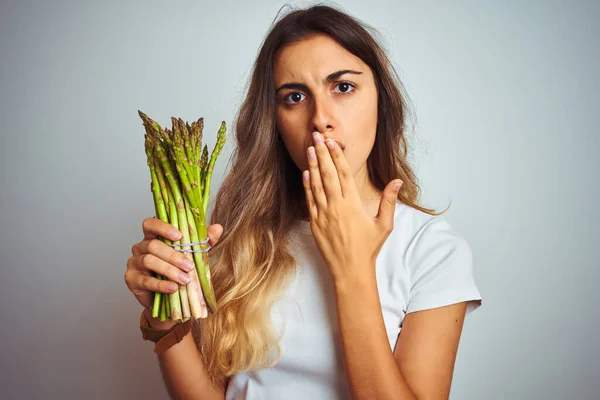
point(294, 98)
point(345, 87)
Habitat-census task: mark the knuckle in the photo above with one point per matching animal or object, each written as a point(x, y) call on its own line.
point(153, 246)
point(321, 222)
point(146, 282)
point(127, 278)
point(145, 260)
point(130, 263)
point(180, 258)
point(146, 224)
point(163, 286)
point(344, 174)
point(173, 273)
point(327, 175)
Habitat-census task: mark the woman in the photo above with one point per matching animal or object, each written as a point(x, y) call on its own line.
point(333, 286)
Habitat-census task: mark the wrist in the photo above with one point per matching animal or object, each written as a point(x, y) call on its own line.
point(165, 334)
point(156, 323)
point(353, 285)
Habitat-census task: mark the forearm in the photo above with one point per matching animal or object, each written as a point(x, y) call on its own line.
point(184, 372)
point(369, 362)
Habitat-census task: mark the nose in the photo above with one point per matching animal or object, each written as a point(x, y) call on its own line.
point(322, 118)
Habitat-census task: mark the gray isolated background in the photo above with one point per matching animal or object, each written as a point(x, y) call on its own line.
point(505, 96)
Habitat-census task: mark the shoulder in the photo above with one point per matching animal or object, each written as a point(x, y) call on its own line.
point(409, 220)
point(420, 236)
point(436, 260)
point(413, 222)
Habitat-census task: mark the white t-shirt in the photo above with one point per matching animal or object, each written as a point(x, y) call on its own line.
point(423, 264)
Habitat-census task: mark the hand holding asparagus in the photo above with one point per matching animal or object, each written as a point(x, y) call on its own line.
point(152, 257)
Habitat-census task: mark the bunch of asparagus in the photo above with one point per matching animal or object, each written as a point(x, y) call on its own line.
point(181, 174)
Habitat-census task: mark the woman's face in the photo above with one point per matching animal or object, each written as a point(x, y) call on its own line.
point(323, 87)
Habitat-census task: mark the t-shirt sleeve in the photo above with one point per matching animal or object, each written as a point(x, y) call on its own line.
point(440, 267)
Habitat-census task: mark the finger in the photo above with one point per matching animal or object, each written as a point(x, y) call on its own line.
point(327, 169)
point(214, 233)
point(316, 186)
point(387, 206)
point(149, 262)
point(153, 284)
point(346, 181)
point(154, 227)
point(166, 253)
point(138, 282)
point(310, 201)
point(135, 249)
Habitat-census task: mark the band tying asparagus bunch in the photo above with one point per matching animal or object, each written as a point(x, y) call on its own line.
point(181, 174)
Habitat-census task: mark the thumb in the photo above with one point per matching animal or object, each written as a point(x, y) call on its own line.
point(214, 233)
point(387, 206)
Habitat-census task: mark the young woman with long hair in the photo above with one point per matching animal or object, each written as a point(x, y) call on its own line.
point(332, 281)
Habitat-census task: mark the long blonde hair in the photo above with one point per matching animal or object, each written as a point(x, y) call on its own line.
point(261, 197)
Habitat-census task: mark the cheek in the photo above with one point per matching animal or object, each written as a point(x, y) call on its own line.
point(292, 139)
point(366, 112)
point(287, 122)
point(362, 131)
point(285, 128)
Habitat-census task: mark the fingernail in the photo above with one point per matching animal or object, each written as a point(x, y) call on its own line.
point(183, 277)
point(317, 138)
point(188, 264)
point(176, 235)
point(330, 143)
point(396, 185)
point(311, 152)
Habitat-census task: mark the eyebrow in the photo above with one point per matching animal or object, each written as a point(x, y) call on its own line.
point(331, 77)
